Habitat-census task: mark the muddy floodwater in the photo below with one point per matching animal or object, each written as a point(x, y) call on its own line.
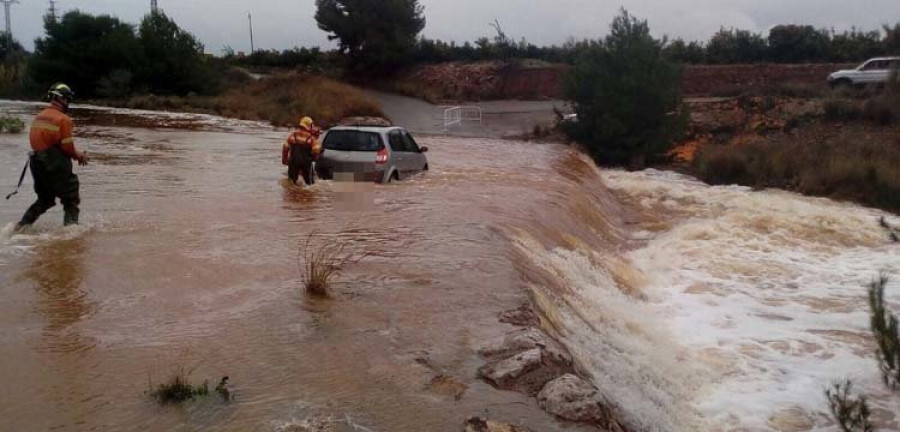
point(690, 307)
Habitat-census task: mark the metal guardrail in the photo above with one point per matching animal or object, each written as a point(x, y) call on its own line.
point(458, 114)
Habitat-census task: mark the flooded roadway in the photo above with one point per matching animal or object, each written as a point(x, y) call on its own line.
point(682, 302)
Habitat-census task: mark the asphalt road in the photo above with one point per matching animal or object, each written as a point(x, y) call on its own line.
point(500, 119)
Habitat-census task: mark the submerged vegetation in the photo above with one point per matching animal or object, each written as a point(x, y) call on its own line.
point(891, 230)
point(178, 388)
point(887, 337)
point(851, 413)
point(321, 262)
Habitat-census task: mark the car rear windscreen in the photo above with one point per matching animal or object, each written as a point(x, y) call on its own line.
point(348, 140)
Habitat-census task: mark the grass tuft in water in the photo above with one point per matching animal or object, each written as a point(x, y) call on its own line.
point(321, 262)
point(178, 388)
point(851, 414)
point(9, 124)
point(892, 231)
point(885, 329)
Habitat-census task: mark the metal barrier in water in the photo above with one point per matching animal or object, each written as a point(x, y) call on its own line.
point(457, 114)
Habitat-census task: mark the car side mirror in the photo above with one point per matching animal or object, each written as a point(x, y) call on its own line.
point(423, 149)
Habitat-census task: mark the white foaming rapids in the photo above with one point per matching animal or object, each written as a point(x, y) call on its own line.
point(766, 292)
point(616, 338)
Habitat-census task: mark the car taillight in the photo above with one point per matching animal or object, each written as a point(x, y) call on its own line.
point(382, 156)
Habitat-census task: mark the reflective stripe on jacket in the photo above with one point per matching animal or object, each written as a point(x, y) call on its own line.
point(52, 128)
point(303, 137)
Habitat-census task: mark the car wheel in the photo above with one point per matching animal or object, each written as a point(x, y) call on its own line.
point(425, 168)
point(394, 177)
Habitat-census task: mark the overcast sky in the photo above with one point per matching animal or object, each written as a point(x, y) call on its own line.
point(286, 23)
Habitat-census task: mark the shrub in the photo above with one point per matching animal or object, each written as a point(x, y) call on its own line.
point(283, 99)
point(885, 329)
point(842, 110)
point(882, 110)
point(178, 389)
point(321, 263)
point(626, 95)
point(852, 163)
point(851, 414)
point(9, 124)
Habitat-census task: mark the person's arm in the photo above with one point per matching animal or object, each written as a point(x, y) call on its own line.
point(316, 147)
point(67, 143)
point(286, 150)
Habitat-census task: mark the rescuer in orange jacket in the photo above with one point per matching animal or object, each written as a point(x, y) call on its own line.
point(53, 151)
point(300, 150)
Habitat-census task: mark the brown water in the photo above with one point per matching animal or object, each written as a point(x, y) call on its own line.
point(187, 256)
point(679, 300)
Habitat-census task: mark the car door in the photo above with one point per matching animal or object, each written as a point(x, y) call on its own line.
point(414, 157)
point(893, 67)
point(873, 72)
point(880, 75)
point(398, 151)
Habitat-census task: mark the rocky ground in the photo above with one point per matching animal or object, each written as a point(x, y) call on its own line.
point(737, 120)
point(530, 362)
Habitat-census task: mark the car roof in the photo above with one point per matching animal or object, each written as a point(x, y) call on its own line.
point(883, 58)
point(375, 129)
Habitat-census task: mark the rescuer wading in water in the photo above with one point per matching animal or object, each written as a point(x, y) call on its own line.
point(53, 151)
point(300, 150)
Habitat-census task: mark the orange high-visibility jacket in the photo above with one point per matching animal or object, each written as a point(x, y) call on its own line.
point(301, 137)
point(52, 128)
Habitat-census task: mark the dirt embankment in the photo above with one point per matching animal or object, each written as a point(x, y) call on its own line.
point(495, 80)
point(732, 80)
point(454, 82)
point(280, 99)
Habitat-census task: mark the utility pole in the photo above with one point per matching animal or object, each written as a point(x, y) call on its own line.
point(154, 8)
point(52, 11)
point(252, 47)
point(6, 5)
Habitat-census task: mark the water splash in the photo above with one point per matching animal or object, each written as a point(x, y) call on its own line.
point(767, 291)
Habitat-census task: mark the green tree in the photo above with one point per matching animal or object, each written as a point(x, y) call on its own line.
point(796, 44)
point(81, 49)
point(11, 50)
point(683, 52)
point(854, 45)
point(377, 36)
point(736, 46)
point(174, 62)
point(626, 95)
point(892, 39)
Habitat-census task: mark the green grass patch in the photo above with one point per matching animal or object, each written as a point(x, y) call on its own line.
point(178, 388)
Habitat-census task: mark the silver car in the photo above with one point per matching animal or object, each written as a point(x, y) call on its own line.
point(876, 71)
point(370, 153)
